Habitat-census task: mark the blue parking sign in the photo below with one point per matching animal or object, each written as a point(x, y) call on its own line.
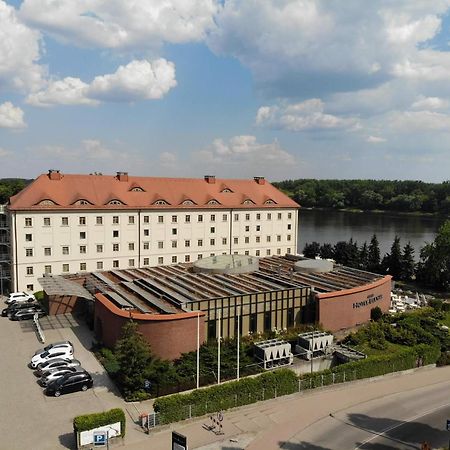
point(100, 438)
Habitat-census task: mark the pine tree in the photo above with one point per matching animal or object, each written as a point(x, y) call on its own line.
point(408, 263)
point(311, 250)
point(392, 262)
point(373, 263)
point(364, 256)
point(326, 251)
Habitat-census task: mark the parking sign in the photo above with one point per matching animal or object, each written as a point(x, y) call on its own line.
point(100, 438)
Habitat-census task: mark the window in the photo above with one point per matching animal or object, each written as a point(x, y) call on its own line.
point(187, 258)
point(246, 253)
point(47, 222)
point(28, 222)
point(200, 242)
point(236, 240)
point(174, 258)
point(30, 287)
point(160, 260)
point(288, 250)
point(247, 217)
point(30, 270)
point(130, 220)
point(200, 218)
point(268, 238)
point(258, 239)
point(253, 322)
point(146, 219)
point(174, 244)
point(224, 217)
point(174, 219)
point(82, 220)
point(115, 247)
point(212, 229)
point(278, 251)
point(288, 237)
point(146, 261)
point(99, 248)
point(212, 242)
point(213, 217)
point(187, 243)
point(115, 263)
point(160, 219)
point(82, 234)
point(289, 226)
point(199, 256)
point(224, 241)
point(28, 252)
point(258, 227)
point(258, 216)
point(28, 237)
point(146, 232)
point(65, 267)
point(290, 317)
point(257, 253)
point(146, 245)
point(289, 215)
point(47, 251)
point(268, 252)
point(160, 244)
point(212, 254)
point(269, 216)
point(236, 217)
point(99, 220)
point(131, 263)
point(267, 321)
point(247, 240)
point(47, 269)
point(279, 216)
point(174, 231)
point(131, 246)
point(64, 221)
point(187, 218)
point(99, 265)
point(247, 228)
point(115, 234)
point(212, 329)
point(82, 249)
point(115, 220)
point(278, 237)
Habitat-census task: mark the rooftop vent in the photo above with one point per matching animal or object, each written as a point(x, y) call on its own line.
point(210, 179)
point(260, 180)
point(54, 174)
point(122, 176)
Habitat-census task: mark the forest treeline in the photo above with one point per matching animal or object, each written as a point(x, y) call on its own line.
point(10, 187)
point(404, 196)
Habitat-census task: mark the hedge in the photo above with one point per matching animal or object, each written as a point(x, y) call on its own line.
point(90, 421)
point(268, 385)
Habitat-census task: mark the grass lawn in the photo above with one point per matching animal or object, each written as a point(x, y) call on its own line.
point(390, 349)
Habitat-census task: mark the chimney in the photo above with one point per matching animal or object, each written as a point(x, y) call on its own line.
point(260, 180)
point(210, 179)
point(122, 176)
point(54, 174)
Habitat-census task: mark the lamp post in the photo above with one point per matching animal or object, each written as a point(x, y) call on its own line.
point(198, 349)
point(218, 347)
point(312, 351)
point(238, 350)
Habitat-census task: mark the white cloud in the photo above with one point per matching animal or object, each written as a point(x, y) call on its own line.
point(428, 103)
point(4, 153)
point(416, 121)
point(307, 115)
point(119, 24)
point(19, 52)
point(138, 80)
point(11, 116)
point(375, 139)
point(168, 159)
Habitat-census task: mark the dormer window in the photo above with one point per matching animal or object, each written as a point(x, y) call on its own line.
point(115, 202)
point(82, 202)
point(247, 201)
point(188, 202)
point(46, 202)
point(269, 202)
point(226, 191)
point(137, 189)
point(213, 202)
point(160, 202)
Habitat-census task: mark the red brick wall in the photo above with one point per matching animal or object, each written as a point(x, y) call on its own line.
point(61, 304)
point(348, 308)
point(169, 335)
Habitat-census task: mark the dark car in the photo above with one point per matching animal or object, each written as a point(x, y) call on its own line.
point(27, 314)
point(11, 309)
point(71, 382)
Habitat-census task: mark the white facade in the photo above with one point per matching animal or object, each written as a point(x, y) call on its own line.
point(72, 241)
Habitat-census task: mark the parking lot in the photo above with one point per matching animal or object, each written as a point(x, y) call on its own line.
point(29, 419)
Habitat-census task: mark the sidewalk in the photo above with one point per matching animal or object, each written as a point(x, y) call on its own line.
point(263, 425)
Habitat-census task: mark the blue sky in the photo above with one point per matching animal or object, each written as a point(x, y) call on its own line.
point(280, 88)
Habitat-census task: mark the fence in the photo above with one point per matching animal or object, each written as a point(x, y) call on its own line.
point(38, 328)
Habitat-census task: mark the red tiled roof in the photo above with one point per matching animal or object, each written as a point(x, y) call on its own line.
point(66, 189)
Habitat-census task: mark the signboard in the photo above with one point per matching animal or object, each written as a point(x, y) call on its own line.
point(179, 442)
point(100, 438)
point(87, 437)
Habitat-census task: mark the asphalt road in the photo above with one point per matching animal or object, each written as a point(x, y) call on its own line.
point(399, 421)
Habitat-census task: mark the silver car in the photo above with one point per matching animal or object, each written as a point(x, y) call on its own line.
point(59, 363)
point(54, 374)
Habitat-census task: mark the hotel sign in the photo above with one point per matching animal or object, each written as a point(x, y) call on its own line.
point(371, 299)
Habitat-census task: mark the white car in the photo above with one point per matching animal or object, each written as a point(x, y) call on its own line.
point(55, 374)
point(53, 353)
point(20, 297)
point(61, 344)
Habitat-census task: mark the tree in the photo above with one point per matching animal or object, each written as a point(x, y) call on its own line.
point(311, 250)
point(373, 263)
point(326, 251)
point(134, 356)
point(434, 266)
point(392, 262)
point(364, 256)
point(408, 263)
point(376, 314)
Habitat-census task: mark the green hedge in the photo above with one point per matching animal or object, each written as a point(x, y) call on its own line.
point(90, 421)
point(268, 385)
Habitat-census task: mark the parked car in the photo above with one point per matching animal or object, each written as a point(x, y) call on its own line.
point(54, 374)
point(53, 354)
point(20, 297)
point(57, 364)
point(60, 344)
point(71, 382)
point(13, 307)
point(27, 314)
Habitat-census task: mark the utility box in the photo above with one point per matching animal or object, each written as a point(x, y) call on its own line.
point(273, 353)
point(313, 344)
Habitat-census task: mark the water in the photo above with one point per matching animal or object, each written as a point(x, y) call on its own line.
point(333, 226)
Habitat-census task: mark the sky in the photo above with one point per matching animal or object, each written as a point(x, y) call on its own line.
point(232, 88)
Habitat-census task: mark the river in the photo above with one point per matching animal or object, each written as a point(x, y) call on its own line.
point(333, 226)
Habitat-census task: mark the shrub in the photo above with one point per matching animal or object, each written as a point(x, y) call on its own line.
point(376, 314)
point(90, 421)
point(109, 361)
point(444, 359)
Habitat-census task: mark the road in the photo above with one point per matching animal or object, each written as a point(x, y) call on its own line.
point(398, 421)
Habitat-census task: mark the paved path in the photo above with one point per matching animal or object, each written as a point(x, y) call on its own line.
point(278, 423)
